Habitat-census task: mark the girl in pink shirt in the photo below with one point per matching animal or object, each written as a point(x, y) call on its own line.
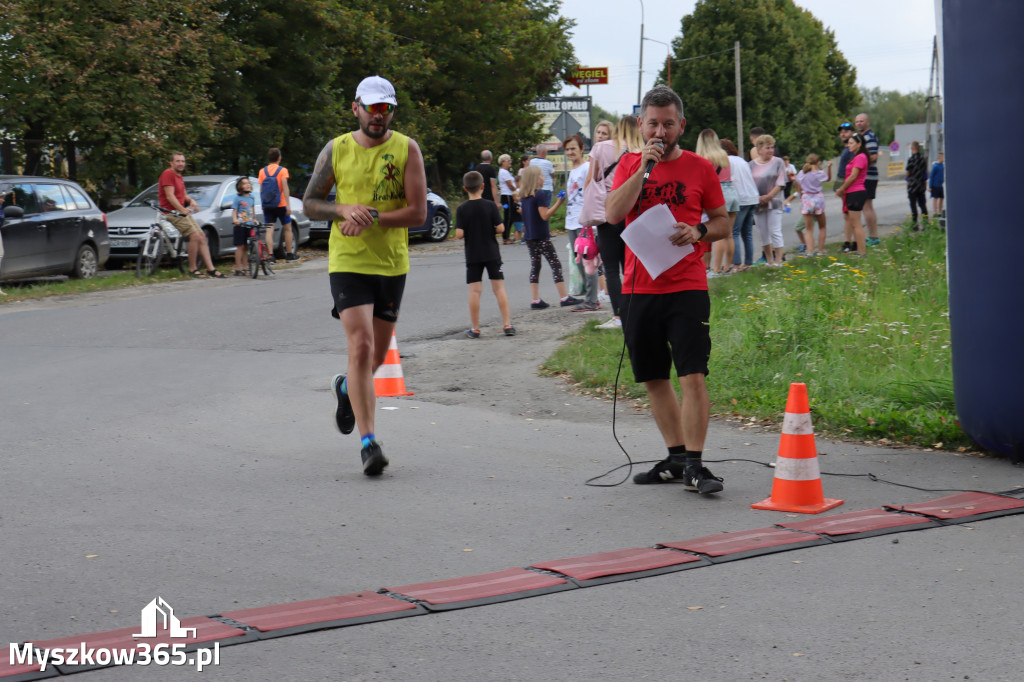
point(853, 191)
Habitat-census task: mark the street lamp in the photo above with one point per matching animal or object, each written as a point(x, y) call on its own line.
point(668, 59)
point(640, 75)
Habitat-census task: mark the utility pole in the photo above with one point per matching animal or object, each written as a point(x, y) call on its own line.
point(931, 103)
point(739, 102)
point(640, 75)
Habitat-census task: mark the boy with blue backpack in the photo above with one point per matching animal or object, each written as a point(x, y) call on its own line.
point(274, 196)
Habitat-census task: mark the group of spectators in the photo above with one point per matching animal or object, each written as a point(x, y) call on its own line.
point(596, 251)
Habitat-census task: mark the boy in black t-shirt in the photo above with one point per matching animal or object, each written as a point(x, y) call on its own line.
point(479, 222)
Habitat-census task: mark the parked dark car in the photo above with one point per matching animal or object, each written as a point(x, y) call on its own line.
point(214, 194)
point(50, 227)
point(435, 229)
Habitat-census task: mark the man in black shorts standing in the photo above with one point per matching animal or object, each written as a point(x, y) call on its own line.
point(381, 191)
point(863, 123)
point(665, 318)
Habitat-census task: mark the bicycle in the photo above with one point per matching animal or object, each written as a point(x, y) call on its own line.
point(163, 239)
point(259, 254)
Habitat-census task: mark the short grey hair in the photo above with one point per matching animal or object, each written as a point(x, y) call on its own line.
point(486, 155)
point(503, 158)
point(661, 96)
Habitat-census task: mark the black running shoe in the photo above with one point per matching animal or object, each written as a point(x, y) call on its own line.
point(374, 460)
point(344, 417)
point(701, 480)
point(665, 471)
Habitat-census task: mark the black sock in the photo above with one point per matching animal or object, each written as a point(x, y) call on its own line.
point(693, 457)
point(677, 453)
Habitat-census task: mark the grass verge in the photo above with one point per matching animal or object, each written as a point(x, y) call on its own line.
point(25, 290)
point(869, 337)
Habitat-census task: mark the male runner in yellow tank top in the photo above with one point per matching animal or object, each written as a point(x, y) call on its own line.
point(381, 192)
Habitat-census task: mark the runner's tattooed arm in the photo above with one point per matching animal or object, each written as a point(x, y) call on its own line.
point(314, 202)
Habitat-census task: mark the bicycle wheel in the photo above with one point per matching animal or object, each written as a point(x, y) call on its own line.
point(254, 259)
point(150, 254)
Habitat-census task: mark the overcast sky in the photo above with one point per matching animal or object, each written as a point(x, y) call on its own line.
point(888, 41)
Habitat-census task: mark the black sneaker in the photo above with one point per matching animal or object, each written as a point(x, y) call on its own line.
point(570, 301)
point(540, 305)
point(291, 256)
point(701, 480)
point(344, 417)
point(374, 460)
point(846, 247)
point(665, 471)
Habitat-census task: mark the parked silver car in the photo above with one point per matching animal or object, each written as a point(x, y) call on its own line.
point(435, 228)
point(50, 227)
point(214, 194)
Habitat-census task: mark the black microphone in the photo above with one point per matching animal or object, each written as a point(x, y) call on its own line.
point(650, 164)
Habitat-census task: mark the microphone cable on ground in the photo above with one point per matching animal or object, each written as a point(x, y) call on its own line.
point(618, 371)
point(629, 460)
point(771, 465)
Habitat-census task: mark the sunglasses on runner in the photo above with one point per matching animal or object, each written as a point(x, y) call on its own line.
point(382, 108)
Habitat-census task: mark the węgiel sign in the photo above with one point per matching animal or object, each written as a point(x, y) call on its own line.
point(588, 75)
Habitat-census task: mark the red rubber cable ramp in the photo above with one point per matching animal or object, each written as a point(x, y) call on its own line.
point(964, 507)
point(22, 672)
point(747, 543)
point(622, 564)
point(486, 588)
point(281, 620)
point(861, 524)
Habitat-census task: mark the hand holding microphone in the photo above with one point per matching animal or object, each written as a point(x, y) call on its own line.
point(657, 149)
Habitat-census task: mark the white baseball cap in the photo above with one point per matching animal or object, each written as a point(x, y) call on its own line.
point(375, 89)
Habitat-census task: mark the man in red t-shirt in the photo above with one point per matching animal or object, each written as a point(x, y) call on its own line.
point(173, 198)
point(665, 319)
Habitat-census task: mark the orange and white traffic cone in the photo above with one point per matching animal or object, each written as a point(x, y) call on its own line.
point(797, 485)
point(388, 380)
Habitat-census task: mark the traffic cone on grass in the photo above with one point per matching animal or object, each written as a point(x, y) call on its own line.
point(388, 380)
point(797, 485)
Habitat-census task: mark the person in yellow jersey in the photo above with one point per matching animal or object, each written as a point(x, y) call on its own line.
point(381, 192)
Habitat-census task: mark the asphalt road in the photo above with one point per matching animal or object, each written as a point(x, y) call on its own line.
point(177, 440)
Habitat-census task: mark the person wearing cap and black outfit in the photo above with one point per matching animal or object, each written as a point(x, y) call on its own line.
point(381, 191)
point(917, 178)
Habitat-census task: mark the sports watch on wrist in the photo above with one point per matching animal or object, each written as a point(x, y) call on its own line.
point(703, 229)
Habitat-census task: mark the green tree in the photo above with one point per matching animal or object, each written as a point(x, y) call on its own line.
point(602, 114)
point(795, 82)
point(223, 80)
point(490, 60)
point(888, 108)
point(120, 78)
point(304, 61)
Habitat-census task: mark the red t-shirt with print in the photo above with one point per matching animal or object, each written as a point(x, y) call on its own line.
point(688, 186)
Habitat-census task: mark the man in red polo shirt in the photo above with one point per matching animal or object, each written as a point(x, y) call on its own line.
point(665, 319)
point(173, 198)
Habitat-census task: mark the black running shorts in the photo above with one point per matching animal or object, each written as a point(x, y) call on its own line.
point(666, 329)
point(350, 289)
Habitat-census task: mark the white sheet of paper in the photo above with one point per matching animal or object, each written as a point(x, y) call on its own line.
point(648, 237)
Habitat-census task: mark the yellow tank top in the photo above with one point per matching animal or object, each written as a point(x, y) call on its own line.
point(371, 177)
